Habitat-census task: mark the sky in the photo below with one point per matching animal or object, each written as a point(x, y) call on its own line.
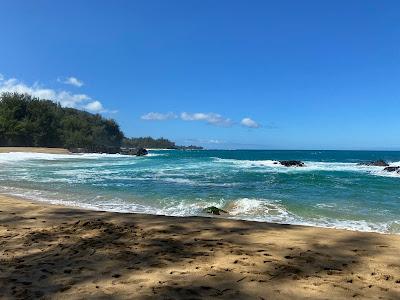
point(221, 74)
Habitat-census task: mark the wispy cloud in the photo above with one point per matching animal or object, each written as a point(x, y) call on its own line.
point(155, 116)
point(204, 141)
point(210, 118)
point(65, 98)
point(71, 81)
point(247, 122)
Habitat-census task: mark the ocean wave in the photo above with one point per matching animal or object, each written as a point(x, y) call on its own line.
point(21, 156)
point(248, 163)
point(383, 173)
point(255, 207)
point(191, 182)
point(265, 210)
point(275, 166)
point(155, 154)
point(251, 209)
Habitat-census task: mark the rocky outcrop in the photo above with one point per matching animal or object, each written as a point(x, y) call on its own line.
point(111, 150)
point(134, 151)
point(292, 163)
point(214, 210)
point(392, 169)
point(96, 149)
point(377, 163)
point(141, 152)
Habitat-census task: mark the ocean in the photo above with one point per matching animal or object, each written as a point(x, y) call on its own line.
point(332, 190)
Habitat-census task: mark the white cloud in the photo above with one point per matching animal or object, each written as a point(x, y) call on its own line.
point(65, 98)
point(203, 141)
point(72, 81)
point(1, 77)
point(94, 106)
point(155, 116)
point(247, 122)
point(210, 118)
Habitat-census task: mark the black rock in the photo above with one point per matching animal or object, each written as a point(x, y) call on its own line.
point(141, 152)
point(377, 163)
point(96, 149)
point(214, 210)
point(292, 163)
point(392, 169)
point(134, 151)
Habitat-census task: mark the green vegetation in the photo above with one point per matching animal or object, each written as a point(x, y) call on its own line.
point(149, 142)
point(26, 121)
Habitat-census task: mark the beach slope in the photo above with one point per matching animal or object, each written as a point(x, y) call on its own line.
point(34, 150)
point(56, 252)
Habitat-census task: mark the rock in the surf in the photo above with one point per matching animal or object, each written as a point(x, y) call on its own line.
point(141, 152)
point(134, 151)
point(214, 210)
point(377, 163)
point(291, 163)
point(392, 169)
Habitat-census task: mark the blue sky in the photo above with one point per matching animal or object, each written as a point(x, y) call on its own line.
point(224, 74)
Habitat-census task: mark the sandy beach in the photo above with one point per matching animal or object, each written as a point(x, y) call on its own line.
point(55, 252)
point(34, 150)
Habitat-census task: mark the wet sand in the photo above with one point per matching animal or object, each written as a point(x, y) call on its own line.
point(34, 150)
point(55, 252)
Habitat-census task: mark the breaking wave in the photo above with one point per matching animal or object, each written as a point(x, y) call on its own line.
point(275, 166)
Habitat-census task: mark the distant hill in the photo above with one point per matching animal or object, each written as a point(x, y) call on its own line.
point(26, 121)
point(149, 142)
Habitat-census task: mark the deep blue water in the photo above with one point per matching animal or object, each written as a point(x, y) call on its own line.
point(331, 191)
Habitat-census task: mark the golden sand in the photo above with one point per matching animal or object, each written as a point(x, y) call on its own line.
point(34, 149)
point(55, 252)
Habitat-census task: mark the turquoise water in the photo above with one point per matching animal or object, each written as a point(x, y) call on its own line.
point(331, 191)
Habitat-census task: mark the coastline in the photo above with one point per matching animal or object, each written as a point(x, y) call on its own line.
point(243, 207)
point(92, 207)
point(54, 251)
point(34, 150)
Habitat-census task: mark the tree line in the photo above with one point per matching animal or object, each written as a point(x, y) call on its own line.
point(160, 143)
point(148, 142)
point(26, 121)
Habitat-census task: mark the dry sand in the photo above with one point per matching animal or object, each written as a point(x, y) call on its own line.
point(34, 150)
point(56, 252)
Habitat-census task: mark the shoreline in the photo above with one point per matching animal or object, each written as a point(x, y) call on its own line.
point(358, 225)
point(54, 251)
point(80, 206)
point(34, 150)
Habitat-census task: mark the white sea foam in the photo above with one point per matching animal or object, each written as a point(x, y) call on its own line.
point(386, 174)
point(190, 182)
point(256, 207)
point(325, 205)
point(21, 156)
point(261, 210)
point(248, 163)
point(275, 166)
point(155, 154)
point(265, 210)
point(179, 180)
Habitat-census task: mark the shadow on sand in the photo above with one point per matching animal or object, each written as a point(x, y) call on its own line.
point(97, 255)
